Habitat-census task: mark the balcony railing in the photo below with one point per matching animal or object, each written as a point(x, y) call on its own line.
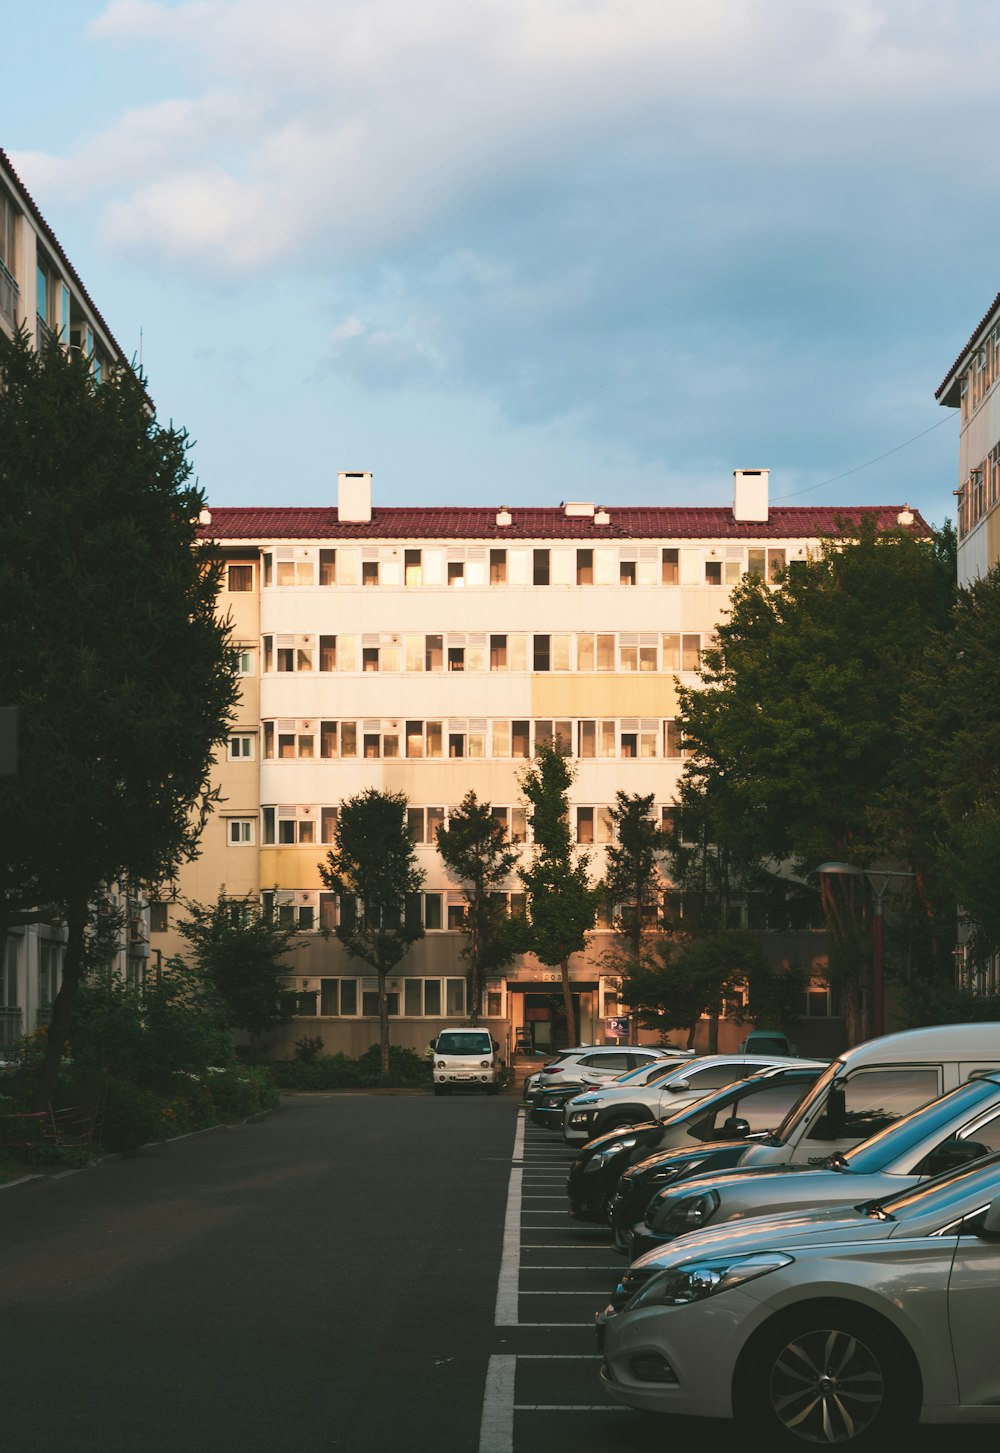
point(43, 333)
point(8, 296)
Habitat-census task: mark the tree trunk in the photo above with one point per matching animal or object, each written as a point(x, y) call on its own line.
point(58, 1030)
point(568, 1002)
point(713, 1032)
point(383, 1022)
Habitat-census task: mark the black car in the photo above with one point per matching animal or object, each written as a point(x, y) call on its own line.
point(717, 1126)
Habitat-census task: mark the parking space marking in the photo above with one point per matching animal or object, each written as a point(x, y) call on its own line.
point(496, 1428)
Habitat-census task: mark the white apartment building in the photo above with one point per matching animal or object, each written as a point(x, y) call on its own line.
point(429, 651)
point(41, 290)
point(971, 387)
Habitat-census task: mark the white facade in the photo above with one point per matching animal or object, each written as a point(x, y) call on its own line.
point(972, 387)
point(429, 651)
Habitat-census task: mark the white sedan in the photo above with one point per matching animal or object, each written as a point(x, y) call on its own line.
point(840, 1327)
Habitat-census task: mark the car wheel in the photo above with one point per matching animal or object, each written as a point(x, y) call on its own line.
point(617, 1122)
point(619, 1241)
point(829, 1375)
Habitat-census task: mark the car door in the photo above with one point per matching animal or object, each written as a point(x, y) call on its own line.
point(974, 1316)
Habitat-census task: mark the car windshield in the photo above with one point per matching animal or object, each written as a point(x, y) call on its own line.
point(902, 1135)
point(978, 1178)
point(803, 1107)
point(451, 1042)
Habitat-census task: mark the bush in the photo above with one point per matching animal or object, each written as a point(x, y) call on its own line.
point(406, 1067)
point(328, 1072)
point(132, 1117)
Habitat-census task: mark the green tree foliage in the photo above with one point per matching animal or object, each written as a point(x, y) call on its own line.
point(562, 903)
point(682, 980)
point(239, 951)
point(372, 865)
point(796, 728)
point(633, 880)
point(124, 680)
point(477, 855)
point(945, 789)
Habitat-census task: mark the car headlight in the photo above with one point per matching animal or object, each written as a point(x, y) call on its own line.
point(609, 1152)
point(680, 1215)
point(693, 1281)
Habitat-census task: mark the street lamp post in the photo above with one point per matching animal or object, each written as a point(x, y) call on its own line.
point(878, 882)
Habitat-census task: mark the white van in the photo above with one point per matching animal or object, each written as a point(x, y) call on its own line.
point(870, 1086)
point(466, 1057)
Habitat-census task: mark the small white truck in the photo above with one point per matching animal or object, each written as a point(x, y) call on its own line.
point(467, 1058)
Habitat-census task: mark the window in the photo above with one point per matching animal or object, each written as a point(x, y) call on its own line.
point(874, 1098)
point(541, 654)
point(456, 658)
point(294, 572)
point(713, 572)
point(327, 567)
point(369, 658)
point(239, 577)
point(670, 567)
point(433, 653)
point(240, 748)
point(338, 997)
point(246, 663)
point(519, 734)
point(540, 567)
point(432, 911)
point(456, 996)
point(456, 915)
point(412, 567)
point(690, 653)
point(158, 917)
point(627, 572)
point(456, 573)
point(369, 572)
point(414, 739)
point(328, 825)
point(498, 567)
point(435, 821)
point(584, 567)
point(240, 831)
point(671, 738)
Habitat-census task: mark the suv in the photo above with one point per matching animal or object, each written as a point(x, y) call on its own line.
point(595, 1111)
point(597, 1061)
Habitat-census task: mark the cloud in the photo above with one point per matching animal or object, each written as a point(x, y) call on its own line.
point(346, 130)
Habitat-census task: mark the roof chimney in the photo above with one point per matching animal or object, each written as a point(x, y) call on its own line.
point(750, 496)
point(354, 498)
point(578, 507)
point(504, 516)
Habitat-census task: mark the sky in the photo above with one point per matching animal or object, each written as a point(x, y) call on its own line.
point(526, 251)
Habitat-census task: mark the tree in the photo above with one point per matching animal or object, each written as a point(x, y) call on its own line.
point(239, 951)
point(795, 730)
point(679, 981)
point(476, 853)
point(944, 791)
point(372, 867)
point(633, 880)
point(124, 679)
point(562, 903)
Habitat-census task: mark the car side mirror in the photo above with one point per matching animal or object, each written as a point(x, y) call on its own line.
point(735, 1128)
point(954, 1152)
point(676, 1086)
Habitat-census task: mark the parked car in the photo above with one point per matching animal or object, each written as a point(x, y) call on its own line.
point(594, 1111)
point(962, 1125)
point(864, 1090)
point(730, 1115)
point(837, 1327)
point(548, 1103)
point(767, 1041)
point(599, 1061)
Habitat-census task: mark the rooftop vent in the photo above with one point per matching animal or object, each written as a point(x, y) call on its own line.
point(578, 507)
point(354, 497)
point(504, 516)
point(750, 495)
point(601, 516)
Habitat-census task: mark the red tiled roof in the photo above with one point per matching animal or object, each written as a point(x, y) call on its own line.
point(972, 338)
point(627, 523)
point(57, 248)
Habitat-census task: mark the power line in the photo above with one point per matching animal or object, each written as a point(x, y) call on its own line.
point(858, 467)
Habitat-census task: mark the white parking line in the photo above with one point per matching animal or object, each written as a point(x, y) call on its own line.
point(496, 1429)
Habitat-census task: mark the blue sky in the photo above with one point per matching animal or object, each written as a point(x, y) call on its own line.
point(520, 251)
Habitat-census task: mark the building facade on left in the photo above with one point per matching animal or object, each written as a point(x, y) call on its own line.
point(41, 292)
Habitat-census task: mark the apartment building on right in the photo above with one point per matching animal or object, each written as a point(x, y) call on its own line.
point(972, 385)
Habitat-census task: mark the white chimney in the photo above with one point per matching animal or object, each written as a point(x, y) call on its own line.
point(578, 507)
point(354, 498)
point(750, 496)
point(504, 516)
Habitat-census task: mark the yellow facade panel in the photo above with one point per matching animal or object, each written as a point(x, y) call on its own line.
point(567, 696)
point(292, 868)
